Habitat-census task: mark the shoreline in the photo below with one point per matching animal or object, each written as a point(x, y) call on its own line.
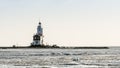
point(54, 47)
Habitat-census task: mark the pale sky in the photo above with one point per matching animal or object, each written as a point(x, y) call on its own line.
point(65, 22)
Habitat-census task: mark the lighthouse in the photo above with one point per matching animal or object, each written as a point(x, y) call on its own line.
point(38, 37)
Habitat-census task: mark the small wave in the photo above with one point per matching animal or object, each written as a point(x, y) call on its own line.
point(70, 63)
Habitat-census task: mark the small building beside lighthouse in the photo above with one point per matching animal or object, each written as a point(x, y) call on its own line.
point(38, 37)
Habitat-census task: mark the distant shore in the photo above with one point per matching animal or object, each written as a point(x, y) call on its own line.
point(54, 47)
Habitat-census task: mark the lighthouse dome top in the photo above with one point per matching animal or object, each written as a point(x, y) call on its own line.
point(39, 23)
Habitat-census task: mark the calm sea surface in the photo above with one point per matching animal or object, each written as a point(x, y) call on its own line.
point(60, 58)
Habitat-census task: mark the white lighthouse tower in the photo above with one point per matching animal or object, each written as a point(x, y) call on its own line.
point(39, 30)
point(38, 37)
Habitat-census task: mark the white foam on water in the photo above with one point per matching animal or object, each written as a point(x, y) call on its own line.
point(36, 66)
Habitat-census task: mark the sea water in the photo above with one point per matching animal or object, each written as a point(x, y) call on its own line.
point(60, 58)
